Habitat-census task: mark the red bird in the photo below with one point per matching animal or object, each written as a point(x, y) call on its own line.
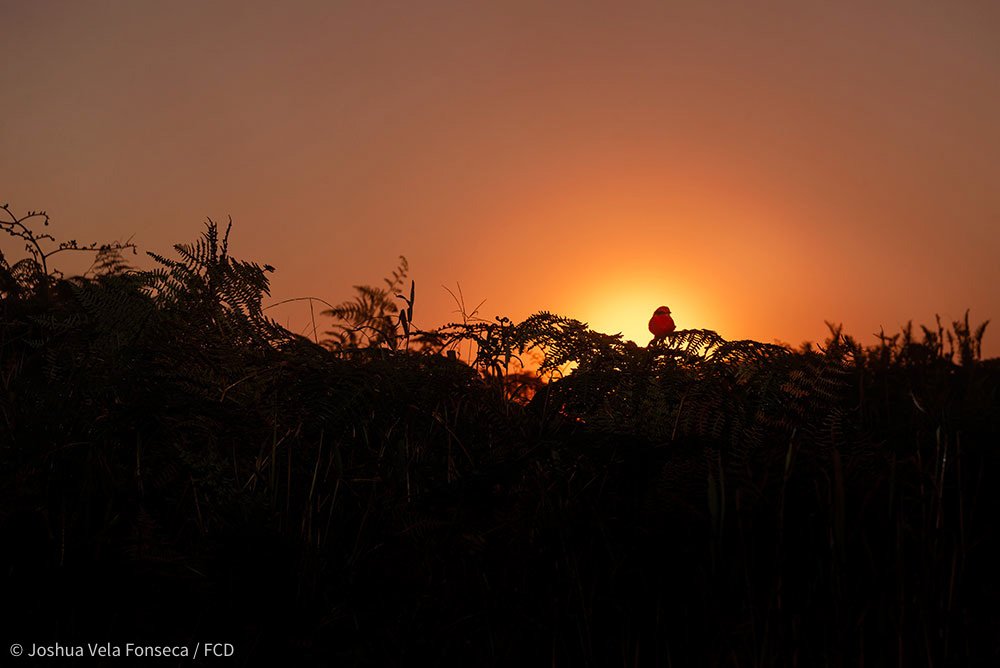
point(661, 323)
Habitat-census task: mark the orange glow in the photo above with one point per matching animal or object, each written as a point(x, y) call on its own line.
point(758, 176)
point(625, 307)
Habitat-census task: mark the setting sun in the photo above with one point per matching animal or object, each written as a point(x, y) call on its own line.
point(625, 308)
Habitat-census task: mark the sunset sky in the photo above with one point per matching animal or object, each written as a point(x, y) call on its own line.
point(757, 167)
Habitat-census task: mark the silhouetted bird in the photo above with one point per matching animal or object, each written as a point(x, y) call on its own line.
point(661, 323)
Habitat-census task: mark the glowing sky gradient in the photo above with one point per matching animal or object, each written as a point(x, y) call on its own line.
point(756, 168)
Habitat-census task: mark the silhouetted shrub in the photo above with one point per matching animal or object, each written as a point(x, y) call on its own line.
point(175, 465)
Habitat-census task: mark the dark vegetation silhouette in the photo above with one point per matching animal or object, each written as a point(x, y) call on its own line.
point(177, 467)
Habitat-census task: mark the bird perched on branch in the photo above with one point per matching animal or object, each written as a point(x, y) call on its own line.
point(661, 323)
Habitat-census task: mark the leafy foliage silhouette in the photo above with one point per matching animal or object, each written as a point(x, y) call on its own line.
point(373, 318)
point(710, 501)
point(32, 274)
